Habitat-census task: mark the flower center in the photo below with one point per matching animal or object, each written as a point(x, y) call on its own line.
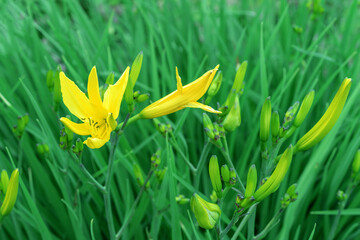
point(100, 128)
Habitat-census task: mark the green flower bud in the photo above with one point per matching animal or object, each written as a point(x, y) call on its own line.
point(233, 119)
point(42, 148)
point(225, 174)
point(251, 181)
point(213, 196)
point(229, 103)
point(232, 180)
point(142, 97)
point(155, 159)
point(181, 199)
point(208, 126)
point(138, 174)
point(214, 87)
point(207, 214)
point(289, 197)
point(10, 195)
point(50, 80)
point(239, 77)
point(304, 108)
point(265, 119)
point(341, 196)
point(356, 166)
point(297, 29)
point(290, 113)
point(160, 174)
point(274, 181)
point(215, 175)
point(4, 181)
point(79, 145)
point(134, 74)
point(327, 121)
point(275, 125)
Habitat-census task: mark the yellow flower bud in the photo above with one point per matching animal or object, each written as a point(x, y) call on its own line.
point(215, 175)
point(273, 183)
point(10, 195)
point(233, 119)
point(207, 214)
point(265, 119)
point(251, 181)
point(304, 108)
point(327, 121)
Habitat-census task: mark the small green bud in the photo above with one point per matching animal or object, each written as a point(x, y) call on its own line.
point(251, 181)
point(233, 119)
point(42, 148)
point(215, 175)
point(356, 166)
point(239, 200)
point(207, 214)
point(142, 97)
point(79, 145)
point(229, 103)
point(341, 196)
point(10, 195)
point(208, 126)
point(50, 80)
point(214, 87)
point(265, 119)
point(304, 108)
point(289, 197)
point(225, 174)
point(155, 159)
point(213, 196)
point(139, 175)
point(134, 74)
point(297, 29)
point(160, 174)
point(290, 113)
point(275, 125)
point(181, 199)
point(232, 180)
point(136, 94)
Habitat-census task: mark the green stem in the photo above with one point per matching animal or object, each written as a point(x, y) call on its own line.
point(176, 146)
point(243, 221)
point(92, 179)
point(273, 222)
point(127, 122)
point(128, 218)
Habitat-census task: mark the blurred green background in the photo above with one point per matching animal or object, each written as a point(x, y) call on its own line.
point(291, 47)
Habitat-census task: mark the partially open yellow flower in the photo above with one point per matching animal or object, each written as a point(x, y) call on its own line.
point(183, 97)
point(98, 116)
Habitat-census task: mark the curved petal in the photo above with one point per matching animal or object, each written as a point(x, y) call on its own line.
point(93, 88)
point(95, 142)
point(74, 99)
point(78, 128)
point(202, 106)
point(114, 94)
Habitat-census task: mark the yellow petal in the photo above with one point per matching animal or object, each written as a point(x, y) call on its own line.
point(202, 106)
point(78, 128)
point(114, 94)
point(178, 79)
point(93, 88)
point(76, 101)
point(95, 142)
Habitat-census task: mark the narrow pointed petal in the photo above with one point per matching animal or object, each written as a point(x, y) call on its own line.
point(93, 88)
point(95, 142)
point(114, 94)
point(74, 99)
point(202, 106)
point(78, 128)
point(178, 79)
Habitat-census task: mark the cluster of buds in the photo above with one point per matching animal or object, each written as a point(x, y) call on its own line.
point(66, 137)
point(214, 131)
point(78, 147)
point(134, 74)
point(161, 127)
point(42, 148)
point(181, 199)
point(206, 213)
point(341, 196)
point(139, 98)
point(156, 159)
point(9, 187)
point(289, 197)
point(160, 173)
point(19, 129)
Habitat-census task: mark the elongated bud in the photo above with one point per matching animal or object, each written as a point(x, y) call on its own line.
point(208, 126)
point(232, 180)
point(134, 74)
point(251, 181)
point(215, 175)
point(214, 87)
point(225, 174)
point(22, 122)
point(4, 181)
point(304, 108)
point(10, 195)
point(356, 166)
point(273, 182)
point(265, 120)
point(206, 213)
point(290, 114)
point(181, 199)
point(57, 89)
point(327, 121)
point(239, 77)
point(230, 101)
point(50, 80)
point(275, 125)
point(233, 119)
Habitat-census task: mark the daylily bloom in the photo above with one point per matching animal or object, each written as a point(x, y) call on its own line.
point(183, 97)
point(98, 116)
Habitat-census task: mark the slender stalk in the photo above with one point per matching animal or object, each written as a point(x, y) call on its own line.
point(128, 218)
point(92, 179)
point(273, 222)
point(243, 221)
point(176, 146)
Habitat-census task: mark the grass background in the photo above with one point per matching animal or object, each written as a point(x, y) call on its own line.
point(55, 200)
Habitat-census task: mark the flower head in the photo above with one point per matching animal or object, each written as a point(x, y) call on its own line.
point(207, 214)
point(98, 115)
point(183, 97)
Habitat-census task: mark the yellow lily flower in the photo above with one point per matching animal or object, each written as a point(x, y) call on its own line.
point(98, 116)
point(183, 97)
